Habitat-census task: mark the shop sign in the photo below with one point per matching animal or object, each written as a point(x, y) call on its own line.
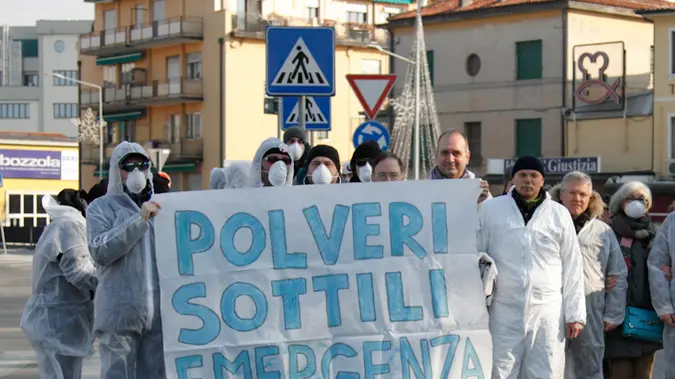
point(30, 164)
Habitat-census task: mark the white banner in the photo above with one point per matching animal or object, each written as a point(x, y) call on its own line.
point(327, 281)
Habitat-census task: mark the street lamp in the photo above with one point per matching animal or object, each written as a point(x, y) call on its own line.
point(87, 125)
point(383, 51)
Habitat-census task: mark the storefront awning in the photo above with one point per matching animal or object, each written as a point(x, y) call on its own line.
point(122, 116)
point(168, 168)
point(117, 59)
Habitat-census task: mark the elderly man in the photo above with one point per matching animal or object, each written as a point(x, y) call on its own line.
point(602, 260)
point(452, 157)
point(323, 166)
point(539, 297)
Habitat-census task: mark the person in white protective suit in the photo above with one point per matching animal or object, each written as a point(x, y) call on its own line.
point(539, 296)
point(272, 165)
point(662, 289)
point(121, 241)
point(234, 175)
point(59, 316)
point(602, 260)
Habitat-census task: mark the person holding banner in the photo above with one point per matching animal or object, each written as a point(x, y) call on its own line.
point(452, 157)
point(121, 241)
point(272, 165)
point(539, 296)
point(323, 166)
point(387, 167)
point(602, 258)
point(360, 162)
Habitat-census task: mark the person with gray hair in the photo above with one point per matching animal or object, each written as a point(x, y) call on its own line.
point(452, 157)
point(632, 357)
point(602, 260)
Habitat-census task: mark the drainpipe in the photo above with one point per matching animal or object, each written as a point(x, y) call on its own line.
point(563, 126)
point(79, 144)
point(221, 88)
point(392, 62)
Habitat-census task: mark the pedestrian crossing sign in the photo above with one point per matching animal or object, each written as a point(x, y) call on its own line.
point(300, 61)
point(317, 112)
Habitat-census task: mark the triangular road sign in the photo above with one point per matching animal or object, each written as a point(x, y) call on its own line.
point(371, 90)
point(159, 157)
point(313, 114)
point(300, 68)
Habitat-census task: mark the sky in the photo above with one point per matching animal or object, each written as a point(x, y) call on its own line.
point(26, 12)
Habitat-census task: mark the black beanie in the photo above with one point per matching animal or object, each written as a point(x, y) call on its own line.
point(367, 150)
point(294, 132)
point(324, 151)
point(528, 162)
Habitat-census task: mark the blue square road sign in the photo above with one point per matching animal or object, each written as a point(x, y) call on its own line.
point(317, 112)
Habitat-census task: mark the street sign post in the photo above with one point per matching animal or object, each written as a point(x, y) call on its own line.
point(159, 157)
point(317, 112)
point(371, 90)
point(300, 61)
point(372, 131)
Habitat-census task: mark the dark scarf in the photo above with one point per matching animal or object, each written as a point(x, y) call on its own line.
point(628, 227)
point(436, 174)
point(581, 220)
point(527, 207)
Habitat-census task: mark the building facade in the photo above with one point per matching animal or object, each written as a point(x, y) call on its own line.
point(30, 100)
point(508, 74)
point(192, 78)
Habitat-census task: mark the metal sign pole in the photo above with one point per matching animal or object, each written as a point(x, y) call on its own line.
point(301, 114)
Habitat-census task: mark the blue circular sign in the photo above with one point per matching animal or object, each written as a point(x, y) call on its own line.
point(372, 131)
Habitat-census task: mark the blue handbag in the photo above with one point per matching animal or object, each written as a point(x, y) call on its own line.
point(643, 324)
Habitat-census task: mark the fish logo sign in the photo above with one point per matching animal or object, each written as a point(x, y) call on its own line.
point(596, 90)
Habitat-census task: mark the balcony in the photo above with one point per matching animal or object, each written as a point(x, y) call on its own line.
point(183, 151)
point(137, 38)
point(253, 25)
point(138, 96)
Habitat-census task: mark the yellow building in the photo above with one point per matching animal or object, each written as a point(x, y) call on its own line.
point(506, 73)
point(192, 78)
point(33, 165)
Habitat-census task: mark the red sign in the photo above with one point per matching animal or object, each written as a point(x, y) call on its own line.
point(371, 90)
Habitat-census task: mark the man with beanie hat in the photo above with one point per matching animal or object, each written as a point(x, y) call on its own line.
point(360, 163)
point(323, 165)
point(298, 149)
point(539, 298)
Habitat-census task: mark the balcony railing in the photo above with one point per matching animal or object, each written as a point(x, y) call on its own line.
point(254, 24)
point(168, 91)
point(182, 149)
point(138, 37)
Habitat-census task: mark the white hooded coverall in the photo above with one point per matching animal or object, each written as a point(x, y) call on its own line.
point(255, 176)
point(539, 286)
point(663, 290)
point(601, 257)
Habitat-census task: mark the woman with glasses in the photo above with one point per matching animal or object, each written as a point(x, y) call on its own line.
point(632, 357)
point(387, 167)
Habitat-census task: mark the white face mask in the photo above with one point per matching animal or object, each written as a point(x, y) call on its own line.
point(277, 174)
point(635, 209)
point(365, 173)
point(322, 175)
point(136, 181)
point(295, 151)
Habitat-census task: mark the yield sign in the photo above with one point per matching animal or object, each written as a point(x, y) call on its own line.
point(158, 157)
point(371, 90)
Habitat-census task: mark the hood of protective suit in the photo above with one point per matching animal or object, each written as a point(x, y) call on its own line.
point(595, 206)
point(235, 175)
point(254, 177)
point(57, 211)
point(115, 185)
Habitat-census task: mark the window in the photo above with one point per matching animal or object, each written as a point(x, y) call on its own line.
point(65, 110)
point(430, 65)
point(1, 78)
point(31, 79)
point(110, 19)
point(371, 66)
point(127, 130)
point(672, 52)
point(158, 10)
point(529, 60)
point(194, 66)
point(193, 123)
point(61, 82)
point(110, 76)
point(472, 65)
point(172, 128)
point(111, 134)
point(25, 209)
point(126, 72)
point(323, 135)
point(357, 17)
point(528, 137)
point(14, 110)
point(391, 12)
point(139, 14)
point(29, 48)
point(312, 13)
point(473, 135)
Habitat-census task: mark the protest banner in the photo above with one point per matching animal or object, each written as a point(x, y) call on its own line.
point(327, 281)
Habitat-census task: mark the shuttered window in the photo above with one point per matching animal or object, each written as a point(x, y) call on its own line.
point(528, 137)
point(529, 60)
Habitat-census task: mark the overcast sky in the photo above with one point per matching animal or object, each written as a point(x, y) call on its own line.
point(26, 12)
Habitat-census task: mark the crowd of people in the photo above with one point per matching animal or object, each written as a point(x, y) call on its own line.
point(576, 277)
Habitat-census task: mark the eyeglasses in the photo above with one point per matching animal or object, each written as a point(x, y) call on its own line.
point(272, 159)
point(131, 166)
point(361, 162)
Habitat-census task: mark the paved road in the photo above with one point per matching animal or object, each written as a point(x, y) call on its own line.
point(17, 359)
